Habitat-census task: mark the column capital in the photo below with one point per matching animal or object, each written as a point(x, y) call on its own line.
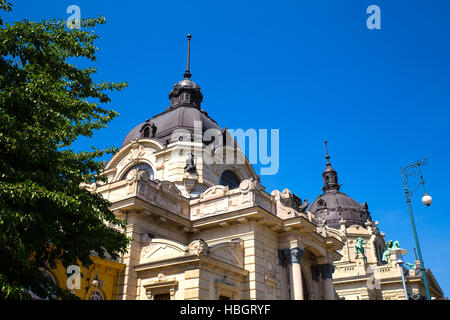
point(326, 270)
point(288, 256)
point(296, 254)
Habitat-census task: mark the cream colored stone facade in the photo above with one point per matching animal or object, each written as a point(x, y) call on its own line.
point(196, 239)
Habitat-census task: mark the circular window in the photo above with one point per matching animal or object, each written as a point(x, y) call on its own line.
point(96, 295)
point(141, 166)
point(229, 179)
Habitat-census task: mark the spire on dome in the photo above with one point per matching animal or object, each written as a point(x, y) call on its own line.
point(187, 74)
point(330, 179)
point(186, 93)
point(327, 156)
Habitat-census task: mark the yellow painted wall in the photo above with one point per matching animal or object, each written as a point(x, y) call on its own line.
point(109, 272)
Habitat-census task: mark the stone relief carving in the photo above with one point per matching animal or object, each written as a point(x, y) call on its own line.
point(160, 251)
point(214, 192)
point(230, 252)
point(136, 151)
point(189, 183)
point(161, 278)
point(247, 185)
point(169, 187)
point(270, 266)
point(197, 247)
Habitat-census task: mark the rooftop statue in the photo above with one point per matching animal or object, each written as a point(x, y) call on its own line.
point(390, 245)
point(190, 164)
point(359, 248)
point(302, 207)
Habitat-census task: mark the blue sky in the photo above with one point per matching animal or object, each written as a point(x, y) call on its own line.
point(311, 69)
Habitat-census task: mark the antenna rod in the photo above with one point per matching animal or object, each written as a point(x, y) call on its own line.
point(187, 74)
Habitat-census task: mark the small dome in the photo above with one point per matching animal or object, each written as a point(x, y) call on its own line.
point(187, 83)
point(333, 206)
point(329, 170)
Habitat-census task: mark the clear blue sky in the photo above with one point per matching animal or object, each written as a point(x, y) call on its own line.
point(309, 68)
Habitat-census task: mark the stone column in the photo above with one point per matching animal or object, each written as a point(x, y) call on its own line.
point(130, 259)
point(327, 276)
point(296, 283)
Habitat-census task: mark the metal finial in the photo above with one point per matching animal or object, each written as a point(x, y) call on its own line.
point(327, 156)
point(187, 74)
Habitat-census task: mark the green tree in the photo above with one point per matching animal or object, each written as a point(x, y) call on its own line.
point(46, 103)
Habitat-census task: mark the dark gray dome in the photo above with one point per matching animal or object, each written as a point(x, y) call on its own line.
point(184, 111)
point(332, 206)
point(167, 122)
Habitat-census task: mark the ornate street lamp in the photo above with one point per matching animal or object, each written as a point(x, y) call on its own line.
point(426, 199)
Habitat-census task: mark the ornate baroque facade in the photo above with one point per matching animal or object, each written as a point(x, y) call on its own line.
point(204, 227)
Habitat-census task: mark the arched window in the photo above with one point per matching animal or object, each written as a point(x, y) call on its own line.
point(148, 130)
point(96, 295)
point(229, 179)
point(141, 166)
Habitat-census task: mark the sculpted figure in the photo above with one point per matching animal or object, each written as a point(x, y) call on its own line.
point(390, 245)
point(190, 165)
point(303, 207)
point(359, 247)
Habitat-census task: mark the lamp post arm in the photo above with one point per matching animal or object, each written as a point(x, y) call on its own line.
point(416, 239)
